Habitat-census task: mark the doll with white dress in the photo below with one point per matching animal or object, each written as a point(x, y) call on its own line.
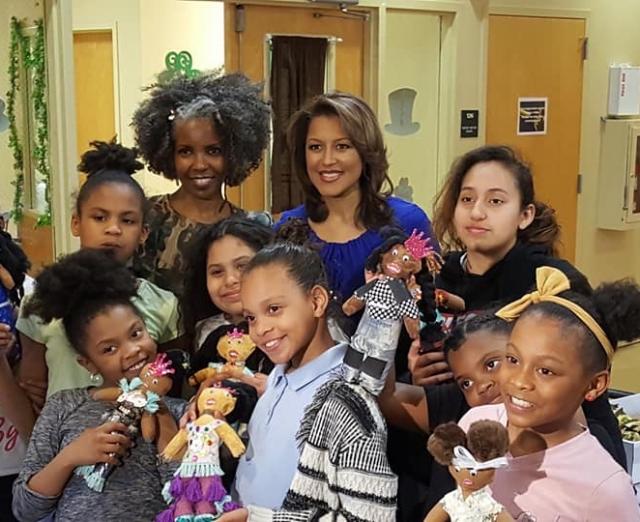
point(472, 459)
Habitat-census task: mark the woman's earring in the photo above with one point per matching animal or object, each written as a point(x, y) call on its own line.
point(95, 378)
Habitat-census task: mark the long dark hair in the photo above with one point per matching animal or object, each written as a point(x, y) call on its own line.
point(544, 230)
point(361, 126)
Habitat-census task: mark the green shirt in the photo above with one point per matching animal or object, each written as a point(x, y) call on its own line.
point(158, 308)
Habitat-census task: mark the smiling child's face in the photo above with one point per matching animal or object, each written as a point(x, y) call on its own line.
point(475, 366)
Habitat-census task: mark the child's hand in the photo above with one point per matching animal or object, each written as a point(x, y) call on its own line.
point(237, 515)
point(106, 443)
point(427, 368)
point(36, 391)
point(7, 339)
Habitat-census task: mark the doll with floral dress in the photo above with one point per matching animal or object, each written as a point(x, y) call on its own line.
point(196, 492)
point(472, 458)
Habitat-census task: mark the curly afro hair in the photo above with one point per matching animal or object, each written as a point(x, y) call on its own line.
point(486, 440)
point(234, 105)
point(79, 287)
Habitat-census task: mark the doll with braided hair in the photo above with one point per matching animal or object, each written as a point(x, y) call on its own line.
point(472, 459)
point(137, 406)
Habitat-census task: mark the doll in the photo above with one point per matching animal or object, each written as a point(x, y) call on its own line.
point(234, 347)
point(472, 459)
point(137, 406)
point(389, 300)
point(196, 490)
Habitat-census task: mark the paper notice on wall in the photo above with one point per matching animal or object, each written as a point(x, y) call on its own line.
point(532, 116)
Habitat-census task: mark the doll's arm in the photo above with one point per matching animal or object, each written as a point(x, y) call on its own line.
point(437, 514)
point(202, 375)
point(167, 428)
point(413, 327)
point(107, 394)
point(353, 305)
point(175, 446)
point(504, 516)
point(231, 439)
point(149, 426)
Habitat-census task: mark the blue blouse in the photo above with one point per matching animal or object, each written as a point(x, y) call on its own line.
point(344, 262)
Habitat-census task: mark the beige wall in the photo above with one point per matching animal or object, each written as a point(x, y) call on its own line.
point(21, 9)
point(146, 30)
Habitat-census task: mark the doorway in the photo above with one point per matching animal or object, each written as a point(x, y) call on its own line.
point(540, 58)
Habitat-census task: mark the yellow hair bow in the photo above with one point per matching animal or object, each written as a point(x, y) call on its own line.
point(549, 283)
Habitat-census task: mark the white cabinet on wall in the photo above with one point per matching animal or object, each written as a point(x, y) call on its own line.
point(618, 190)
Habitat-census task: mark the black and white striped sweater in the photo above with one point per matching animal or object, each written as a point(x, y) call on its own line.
point(343, 473)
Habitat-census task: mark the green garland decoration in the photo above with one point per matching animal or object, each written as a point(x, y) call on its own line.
point(34, 60)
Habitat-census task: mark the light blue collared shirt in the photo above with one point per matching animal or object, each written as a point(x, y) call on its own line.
point(266, 470)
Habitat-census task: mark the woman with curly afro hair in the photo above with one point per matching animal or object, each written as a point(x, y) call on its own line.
point(206, 133)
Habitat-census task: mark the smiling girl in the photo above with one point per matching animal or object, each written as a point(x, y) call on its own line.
point(205, 132)
point(91, 294)
point(559, 355)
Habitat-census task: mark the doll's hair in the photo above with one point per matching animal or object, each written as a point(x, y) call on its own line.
point(196, 303)
point(78, 288)
point(109, 162)
point(232, 104)
point(614, 306)
point(161, 366)
point(15, 261)
point(485, 440)
point(544, 230)
point(360, 124)
point(487, 321)
point(390, 236)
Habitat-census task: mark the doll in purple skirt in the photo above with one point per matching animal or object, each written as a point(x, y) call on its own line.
point(196, 492)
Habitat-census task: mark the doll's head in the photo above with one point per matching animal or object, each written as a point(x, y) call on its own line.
point(236, 346)
point(399, 256)
point(216, 399)
point(473, 457)
point(156, 375)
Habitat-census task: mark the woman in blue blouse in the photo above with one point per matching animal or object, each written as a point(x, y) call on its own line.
point(339, 157)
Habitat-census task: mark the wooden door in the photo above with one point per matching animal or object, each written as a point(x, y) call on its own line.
point(95, 100)
point(245, 52)
point(540, 58)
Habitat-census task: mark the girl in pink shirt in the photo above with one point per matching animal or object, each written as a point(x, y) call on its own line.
point(559, 354)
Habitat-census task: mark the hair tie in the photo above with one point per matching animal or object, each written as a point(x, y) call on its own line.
point(549, 283)
point(462, 458)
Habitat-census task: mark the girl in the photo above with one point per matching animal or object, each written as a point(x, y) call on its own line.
point(109, 215)
point(559, 355)
point(285, 300)
point(495, 231)
point(91, 293)
point(340, 161)
point(213, 307)
point(205, 133)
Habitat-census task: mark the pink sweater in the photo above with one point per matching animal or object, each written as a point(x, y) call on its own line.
point(574, 481)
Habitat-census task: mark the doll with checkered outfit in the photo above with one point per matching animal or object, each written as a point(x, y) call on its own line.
point(389, 301)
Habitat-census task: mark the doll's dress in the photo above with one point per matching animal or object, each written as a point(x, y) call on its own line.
point(480, 506)
point(196, 491)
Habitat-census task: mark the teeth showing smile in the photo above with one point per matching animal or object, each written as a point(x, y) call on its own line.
point(273, 343)
point(329, 176)
point(520, 403)
point(137, 367)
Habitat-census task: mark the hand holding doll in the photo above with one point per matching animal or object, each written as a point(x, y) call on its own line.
point(472, 459)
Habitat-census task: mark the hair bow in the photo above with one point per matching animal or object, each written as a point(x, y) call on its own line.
point(463, 458)
point(549, 283)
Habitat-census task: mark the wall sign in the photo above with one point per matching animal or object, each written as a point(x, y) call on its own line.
point(532, 116)
point(469, 123)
